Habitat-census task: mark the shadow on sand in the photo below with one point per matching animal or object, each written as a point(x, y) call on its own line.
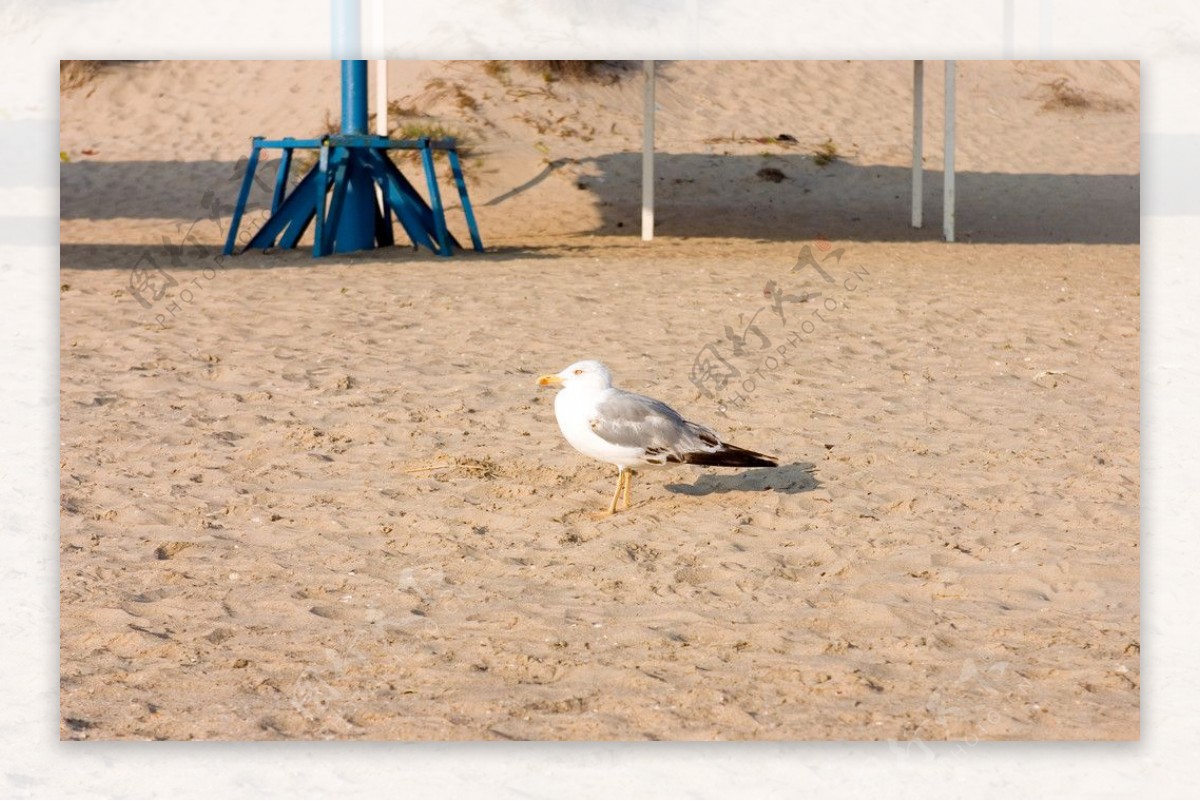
point(725, 196)
point(789, 479)
point(697, 195)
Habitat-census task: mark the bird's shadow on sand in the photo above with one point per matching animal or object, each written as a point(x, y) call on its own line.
point(788, 478)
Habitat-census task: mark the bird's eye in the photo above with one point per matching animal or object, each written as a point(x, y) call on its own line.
point(578, 372)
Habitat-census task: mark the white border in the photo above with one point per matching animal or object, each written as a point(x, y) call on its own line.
point(1163, 35)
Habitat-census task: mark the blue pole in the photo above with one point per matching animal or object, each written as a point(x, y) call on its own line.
point(354, 97)
point(355, 223)
point(340, 192)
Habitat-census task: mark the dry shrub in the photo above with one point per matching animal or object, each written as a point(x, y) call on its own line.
point(433, 129)
point(564, 70)
point(74, 74)
point(827, 153)
point(497, 70)
point(1062, 94)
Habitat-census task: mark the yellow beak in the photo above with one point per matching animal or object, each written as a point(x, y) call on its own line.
point(549, 381)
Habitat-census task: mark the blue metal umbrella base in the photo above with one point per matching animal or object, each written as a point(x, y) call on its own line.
point(339, 193)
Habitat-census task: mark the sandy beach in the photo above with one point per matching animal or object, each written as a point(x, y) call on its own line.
point(326, 499)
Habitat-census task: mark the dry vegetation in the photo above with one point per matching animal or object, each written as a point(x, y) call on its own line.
point(497, 70)
point(565, 70)
point(74, 74)
point(404, 122)
point(827, 153)
point(783, 140)
point(1062, 94)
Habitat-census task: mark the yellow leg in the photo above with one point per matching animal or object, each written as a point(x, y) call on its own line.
point(612, 507)
point(628, 483)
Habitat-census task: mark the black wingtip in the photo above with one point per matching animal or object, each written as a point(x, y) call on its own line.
point(731, 456)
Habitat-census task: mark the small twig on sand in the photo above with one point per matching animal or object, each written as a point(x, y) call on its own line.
point(484, 468)
point(1045, 373)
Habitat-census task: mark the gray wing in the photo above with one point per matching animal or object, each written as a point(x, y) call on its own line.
point(635, 421)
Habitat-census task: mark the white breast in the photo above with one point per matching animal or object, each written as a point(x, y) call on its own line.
point(575, 411)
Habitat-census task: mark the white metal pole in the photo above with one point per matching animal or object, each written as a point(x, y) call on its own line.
point(948, 148)
point(648, 154)
point(381, 70)
point(381, 93)
point(381, 98)
point(918, 146)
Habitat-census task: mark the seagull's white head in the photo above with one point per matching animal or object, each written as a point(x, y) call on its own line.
point(588, 374)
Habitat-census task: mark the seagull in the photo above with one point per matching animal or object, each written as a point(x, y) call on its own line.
point(629, 430)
